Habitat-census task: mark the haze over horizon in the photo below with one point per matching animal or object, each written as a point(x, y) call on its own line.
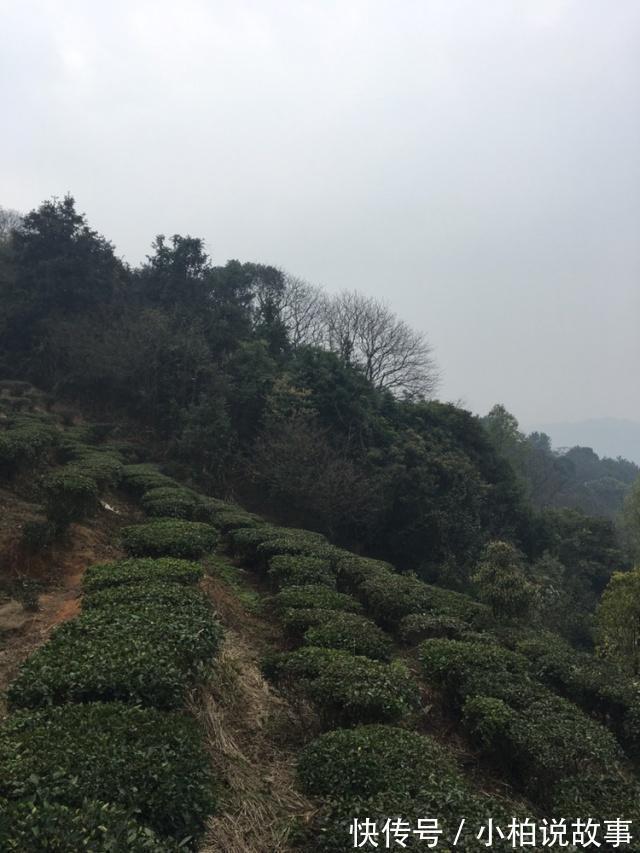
point(478, 165)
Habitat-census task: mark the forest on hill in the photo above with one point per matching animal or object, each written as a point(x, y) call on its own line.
point(318, 409)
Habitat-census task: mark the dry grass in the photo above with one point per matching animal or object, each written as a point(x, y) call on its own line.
point(250, 730)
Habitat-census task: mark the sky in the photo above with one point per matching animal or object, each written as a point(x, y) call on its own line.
point(476, 164)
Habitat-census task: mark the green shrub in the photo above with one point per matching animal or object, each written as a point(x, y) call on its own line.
point(244, 541)
point(141, 571)
point(368, 760)
point(234, 519)
point(149, 653)
point(135, 758)
point(353, 569)
point(303, 544)
point(417, 627)
point(155, 592)
point(446, 797)
point(294, 668)
point(296, 621)
point(69, 496)
point(346, 689)
point(104, 468)
point(43, 827)
point(350, 633)
point(285, 570)
point(171, 502)
point(25, 442)
point(140, 478)
point(473, 668)
point(309, 596)
point(169, 537)
point(541, 742)
point(389, 597)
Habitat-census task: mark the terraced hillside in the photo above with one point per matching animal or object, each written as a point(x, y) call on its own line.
point(222, 683)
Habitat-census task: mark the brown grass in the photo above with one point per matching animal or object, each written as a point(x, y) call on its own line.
point(251, 734)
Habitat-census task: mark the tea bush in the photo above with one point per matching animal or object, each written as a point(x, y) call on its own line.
point(346, 689)
point(44, 827)
point(296, 621)
point(541, 741)
point(471, 668)
point(153, 593)
point(312, 596)
point(286, 571)
point(368, 760)
point(69, 496)
point(172, 502)
point(352, 569)
point(233, 519)
point(417, 627)
point(169, 537)
point(26, 441)
point(141, 571)
point(446, 796)
point(244, 541)
point(142, 477)
point(350, 633)
point(134, 758)
point(299, 544)
point(148, 653)
point(104, 468)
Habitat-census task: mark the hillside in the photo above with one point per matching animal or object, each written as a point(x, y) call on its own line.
point(290, 684)
point(257, 582)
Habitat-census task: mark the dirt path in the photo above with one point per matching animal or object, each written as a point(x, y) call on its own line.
point(253, 735)
point(25, 631)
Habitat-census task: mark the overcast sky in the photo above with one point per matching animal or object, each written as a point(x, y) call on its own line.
point(476, 163)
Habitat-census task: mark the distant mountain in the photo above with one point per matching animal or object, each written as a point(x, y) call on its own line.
point(606, 436)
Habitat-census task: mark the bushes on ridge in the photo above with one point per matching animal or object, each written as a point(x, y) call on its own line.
point(141, 571)
point(44, 827)
point(69, 496)
point(417, 627)
point(169, 537)
point(134, 758)
point(285, 570)
point(347, 689)
point(142, 477)
point(314, 596)
point(148, 653)
point(370, 759)
point(350, 633)
point(172, 502)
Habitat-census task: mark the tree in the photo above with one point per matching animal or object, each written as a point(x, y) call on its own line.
point(618, 621)
point(175, 274)
point(631, 521)
point(366, 333)
point(303, 312)
point(10, 221)
point(502, 582)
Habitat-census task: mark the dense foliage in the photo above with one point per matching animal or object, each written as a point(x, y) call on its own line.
point(131, 757)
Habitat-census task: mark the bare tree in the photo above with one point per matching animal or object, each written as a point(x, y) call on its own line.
point(364, 331)
point(10, 220)
point(302, 310)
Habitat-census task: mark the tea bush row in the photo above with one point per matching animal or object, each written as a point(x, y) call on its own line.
point(147, 650)
point(347, 689)
point(542, 741)
point(170, 537)
point(46, 827)
point(134, 758)
point(141, 571)
point(380, 771)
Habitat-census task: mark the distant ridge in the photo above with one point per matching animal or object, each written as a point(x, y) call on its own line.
point(607, 436)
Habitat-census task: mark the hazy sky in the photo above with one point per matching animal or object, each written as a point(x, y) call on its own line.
point(477, 163)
